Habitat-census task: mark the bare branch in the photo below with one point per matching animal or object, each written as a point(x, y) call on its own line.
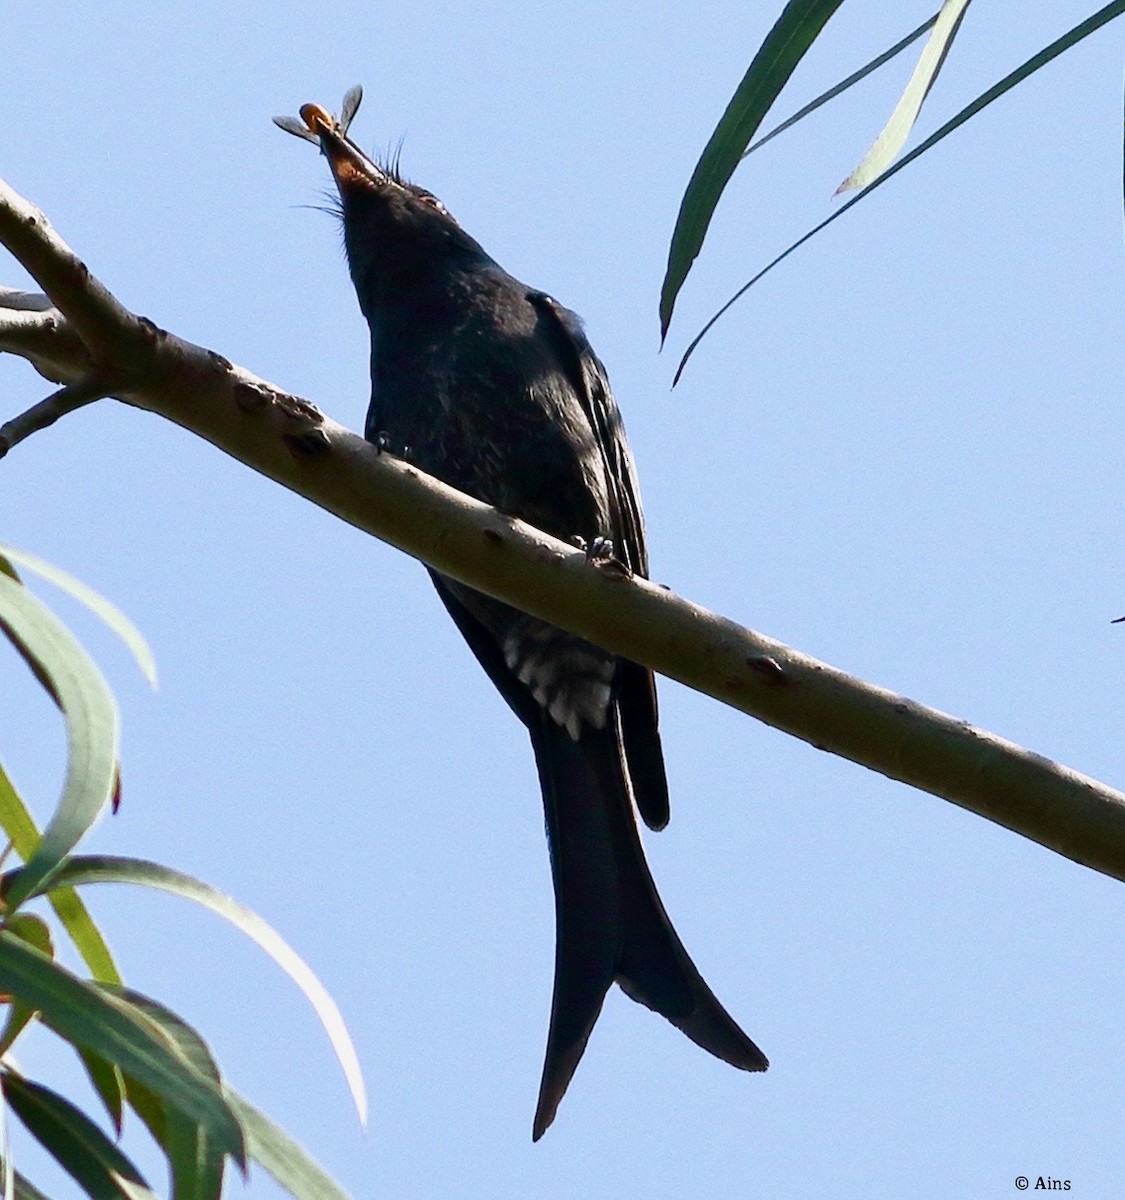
point(25, 301)
point(287, 439)
point(48, 411)
point(86, 304)
point(45, 339)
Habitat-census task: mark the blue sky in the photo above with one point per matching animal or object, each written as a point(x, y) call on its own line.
point(901, 453)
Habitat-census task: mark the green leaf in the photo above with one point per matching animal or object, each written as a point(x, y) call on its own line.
point(91, 726)
point(149, 1107)
point(26, 1190)
point(86, 1016)
point(842, 86)
point(34, 931)
point(41, 678)
point(97, 603)
point(21, 829)
point(7, 1167)
point(185, 1038)
point(19, 1017)
point(15, 820)
point(86, 869)
point(74, 1141)
point(195, 1162)
point(784, 47)
point(197, 1169)
point(897, 129)
point(85, 935)
point(1082, 30)
point(282, 1157)
point(107, 1080)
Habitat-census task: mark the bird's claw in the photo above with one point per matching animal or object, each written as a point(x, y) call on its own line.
point(598, 548)
point(384, 444)
point(599, 553)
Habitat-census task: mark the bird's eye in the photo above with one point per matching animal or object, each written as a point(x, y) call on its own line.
point(432, 201)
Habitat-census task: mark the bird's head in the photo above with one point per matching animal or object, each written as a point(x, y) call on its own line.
point(395, 232)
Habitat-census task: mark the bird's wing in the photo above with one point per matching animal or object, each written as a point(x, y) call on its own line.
point(588, 380)
point(636, 686)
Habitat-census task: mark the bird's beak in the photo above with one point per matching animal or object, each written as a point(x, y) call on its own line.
point(351, 168)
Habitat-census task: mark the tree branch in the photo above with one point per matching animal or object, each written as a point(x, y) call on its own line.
point(48, 411)
point(83, 338)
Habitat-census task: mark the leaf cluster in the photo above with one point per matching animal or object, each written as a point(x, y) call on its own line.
point(137, 1053)
point(793, 34)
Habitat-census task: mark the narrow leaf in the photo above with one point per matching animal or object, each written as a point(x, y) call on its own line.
point(149, 1107)
point(35, 932)
point(74, 1141)
point(22, 832)
point(32, 929)
point(784, 47)
point(19, 826)
point(1081, 31)
point(26, 1190)
point(41, 678)
point(95, 602)
point(86, 1016)
point(282, 1157)
point(91, 725)
point(195, 1162)
point(132, 1190)
point(86, 869)
point(186, 1038)
point(842, 86)
point(897, 129)
point(18, 1019)
point(7, 1167)
point(108, 1082)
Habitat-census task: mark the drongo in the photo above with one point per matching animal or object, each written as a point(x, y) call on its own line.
point(492, 387)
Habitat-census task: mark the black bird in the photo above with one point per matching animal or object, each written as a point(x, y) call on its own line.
point(493, 388)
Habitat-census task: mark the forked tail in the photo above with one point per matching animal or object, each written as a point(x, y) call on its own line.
point(610, 923)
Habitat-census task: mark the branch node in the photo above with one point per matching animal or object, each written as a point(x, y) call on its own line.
point(310, 444)
point(251, 397)
point(769, 668)
point(155, 333)
point(310, 439)
point(297, 409)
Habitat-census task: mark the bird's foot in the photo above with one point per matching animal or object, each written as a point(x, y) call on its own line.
point(599, 553)
point(384, 444)
point(600, 547)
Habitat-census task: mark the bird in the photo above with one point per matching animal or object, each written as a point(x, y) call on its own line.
point(492, 387)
